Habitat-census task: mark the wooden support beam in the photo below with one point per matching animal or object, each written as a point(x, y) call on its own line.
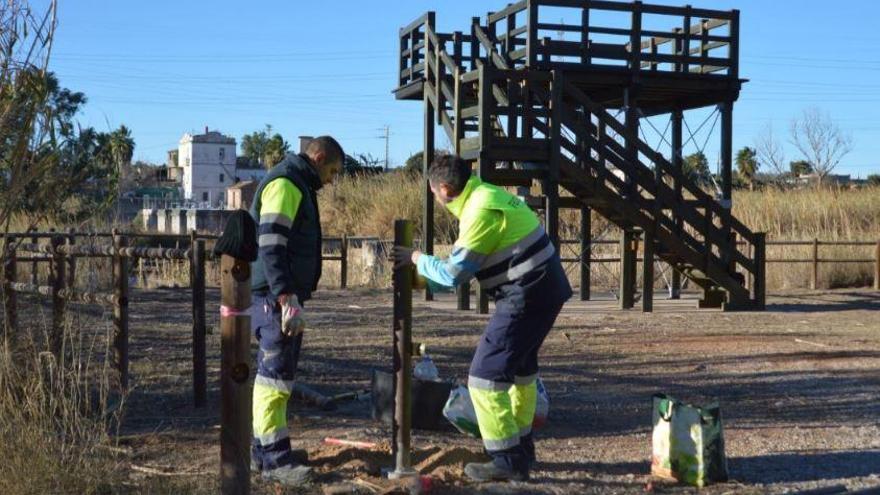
point(463, 296)
point(648, 273)
point(427, 159)
point(627, 268)
point(677, 163)
point(235, 371)
point(482, 301)
point(586, 249)
point(402, 336)
point(551, 183)
point(199, 330)
point(343, 262)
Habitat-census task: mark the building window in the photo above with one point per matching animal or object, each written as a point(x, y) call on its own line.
point(221, 178)
point(204, 196)
point(222, 155)
point(187, 162)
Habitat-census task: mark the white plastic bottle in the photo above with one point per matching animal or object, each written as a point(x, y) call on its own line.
point(426, 370)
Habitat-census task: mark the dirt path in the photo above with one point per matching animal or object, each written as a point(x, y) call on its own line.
point(799, 387)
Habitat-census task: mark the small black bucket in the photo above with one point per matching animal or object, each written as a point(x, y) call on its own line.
point(428, 399)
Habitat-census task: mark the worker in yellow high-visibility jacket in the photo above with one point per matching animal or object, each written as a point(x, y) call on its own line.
point(502, 243)
point(283, 278)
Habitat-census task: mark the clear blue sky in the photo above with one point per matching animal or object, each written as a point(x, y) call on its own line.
point(167, 67)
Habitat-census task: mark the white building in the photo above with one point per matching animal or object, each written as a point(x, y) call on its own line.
point(208, 162)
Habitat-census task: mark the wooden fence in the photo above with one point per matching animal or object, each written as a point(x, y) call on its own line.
point(61, 251)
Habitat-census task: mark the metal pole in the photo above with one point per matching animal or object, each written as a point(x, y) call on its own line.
point(200, 380)
point(235, 407)
point(402, 332)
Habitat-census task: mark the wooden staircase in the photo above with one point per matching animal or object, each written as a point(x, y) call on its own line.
point(520, 125)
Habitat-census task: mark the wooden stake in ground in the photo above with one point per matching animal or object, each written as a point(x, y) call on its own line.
point(402, 331)
point(235, 408)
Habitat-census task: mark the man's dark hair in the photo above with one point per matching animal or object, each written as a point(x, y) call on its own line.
point(451, 170)
point(329, 146)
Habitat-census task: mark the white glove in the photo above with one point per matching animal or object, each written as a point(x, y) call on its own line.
point(293, 322)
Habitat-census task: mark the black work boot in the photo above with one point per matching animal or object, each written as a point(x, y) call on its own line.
point(299, 456)
point(491, 471)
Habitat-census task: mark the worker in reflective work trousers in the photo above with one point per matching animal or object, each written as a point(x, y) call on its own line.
point(283, 278)
point(502, 243)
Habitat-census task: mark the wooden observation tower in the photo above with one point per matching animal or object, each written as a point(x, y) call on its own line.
point(556, 107)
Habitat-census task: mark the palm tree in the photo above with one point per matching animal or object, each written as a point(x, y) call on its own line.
point(747, 164)
point(121, 149)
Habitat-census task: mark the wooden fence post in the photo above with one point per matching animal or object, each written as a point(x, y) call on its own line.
point(814, 276)
point(9, 298)
point(120, 310)
point(56, 335)
point(877, 267)
point(343, 268)
point(463, 294)
point(71, 260)
point(482, 301)
point(402, 332)
point(759, 285)
point(198, 332)
point(35, 278)
point(235, 371)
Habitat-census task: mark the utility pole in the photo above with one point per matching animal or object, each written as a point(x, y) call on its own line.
point(387, 138)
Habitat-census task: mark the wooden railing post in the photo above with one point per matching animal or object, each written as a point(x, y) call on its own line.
point(35, 273)
point(120, 310)
point(482, 301)
point(56, 335)
point(343, 263)
point(199, 331)
point(814, 276)
point(10, 309)
point(877, 267)
point(235, 371)
point(586, 253)
point(71, 260)
point(759, 285)
point(402, 333)
point(463, 296)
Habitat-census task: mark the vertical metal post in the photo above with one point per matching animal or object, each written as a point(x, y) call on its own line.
point(814, 276)
point(402, 332)
point(120, 311)
point(627, 269)
point(200, 373)
point(56, 336)
point(343, 263)
point(586, 252)
point(235, 371)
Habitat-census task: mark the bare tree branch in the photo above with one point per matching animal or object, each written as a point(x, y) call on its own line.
point(821, 142)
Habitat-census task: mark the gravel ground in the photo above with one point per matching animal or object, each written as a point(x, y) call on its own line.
point(799, 387)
